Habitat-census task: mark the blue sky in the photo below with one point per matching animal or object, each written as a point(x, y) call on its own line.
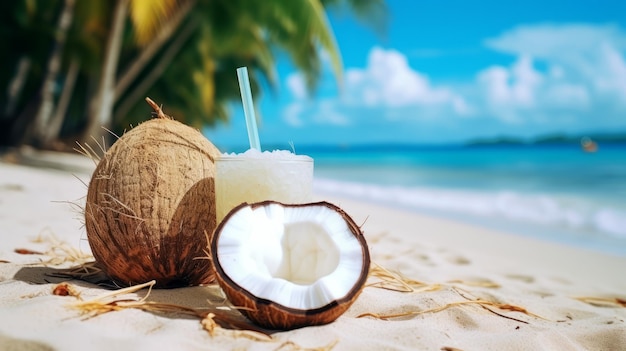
point(448, 71)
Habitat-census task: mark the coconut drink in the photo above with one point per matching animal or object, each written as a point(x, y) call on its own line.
point(255, 176)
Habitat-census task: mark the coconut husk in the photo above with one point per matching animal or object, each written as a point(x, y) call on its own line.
point(149, 202)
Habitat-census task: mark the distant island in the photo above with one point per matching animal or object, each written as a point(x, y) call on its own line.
point(548, 139)
point(601, 138)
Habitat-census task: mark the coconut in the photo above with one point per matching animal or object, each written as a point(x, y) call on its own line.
point(290, 266)
point(151, 204)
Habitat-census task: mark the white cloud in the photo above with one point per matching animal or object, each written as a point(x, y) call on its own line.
point(588, 54)
point(324, 112)
point(585, 70)
point(575, 96)
point(514, 86)
point(297, 86)
point(557, 40)
point(291, 114)
point(521, 93)
point(389, 81)
point(616, 66)
point(386, 82)
point(328, 114)
point(461, 107)
point(568, 77)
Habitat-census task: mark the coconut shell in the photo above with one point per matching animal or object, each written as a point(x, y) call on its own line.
point(271, 315)
point(151, 205)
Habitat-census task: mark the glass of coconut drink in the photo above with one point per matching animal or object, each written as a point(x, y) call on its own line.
point(255, 176)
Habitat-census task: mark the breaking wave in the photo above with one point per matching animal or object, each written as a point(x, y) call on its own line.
point(550, 211)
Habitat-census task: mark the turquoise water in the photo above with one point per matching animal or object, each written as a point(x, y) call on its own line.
point(550, 191)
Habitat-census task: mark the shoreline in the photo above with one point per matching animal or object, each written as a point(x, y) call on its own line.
point(452, 262)
point(549, 217)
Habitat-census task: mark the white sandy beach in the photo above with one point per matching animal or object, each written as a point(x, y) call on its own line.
point(456, 263)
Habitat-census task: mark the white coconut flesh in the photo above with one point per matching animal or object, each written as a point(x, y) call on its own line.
point(299, 257)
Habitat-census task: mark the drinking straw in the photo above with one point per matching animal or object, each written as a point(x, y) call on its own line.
point(248, 107)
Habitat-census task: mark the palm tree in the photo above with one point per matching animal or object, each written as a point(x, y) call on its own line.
point(27, 30)
point(181, 52)
point(102, 104)
point(226, 30)
point(42, 132)
point(145, 16)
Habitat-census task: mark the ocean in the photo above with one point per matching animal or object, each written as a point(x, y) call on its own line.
point(554, 192)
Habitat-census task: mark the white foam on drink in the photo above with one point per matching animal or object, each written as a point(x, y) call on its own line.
point(265, 155)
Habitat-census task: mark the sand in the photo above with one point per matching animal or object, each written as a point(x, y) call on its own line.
point(529, 289)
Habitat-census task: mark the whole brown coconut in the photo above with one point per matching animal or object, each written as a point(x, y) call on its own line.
point(151, 204)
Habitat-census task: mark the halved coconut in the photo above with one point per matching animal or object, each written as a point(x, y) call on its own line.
point(289, 266)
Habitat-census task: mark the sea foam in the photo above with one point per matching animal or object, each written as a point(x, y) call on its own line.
point(549, 211)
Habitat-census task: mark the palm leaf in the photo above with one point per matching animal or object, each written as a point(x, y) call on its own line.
point(147, 16)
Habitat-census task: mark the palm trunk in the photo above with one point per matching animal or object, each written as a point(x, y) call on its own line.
point(52, 133)
point(139, 92)
point(16, 85)
point(46, 107)
point(101, 105)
